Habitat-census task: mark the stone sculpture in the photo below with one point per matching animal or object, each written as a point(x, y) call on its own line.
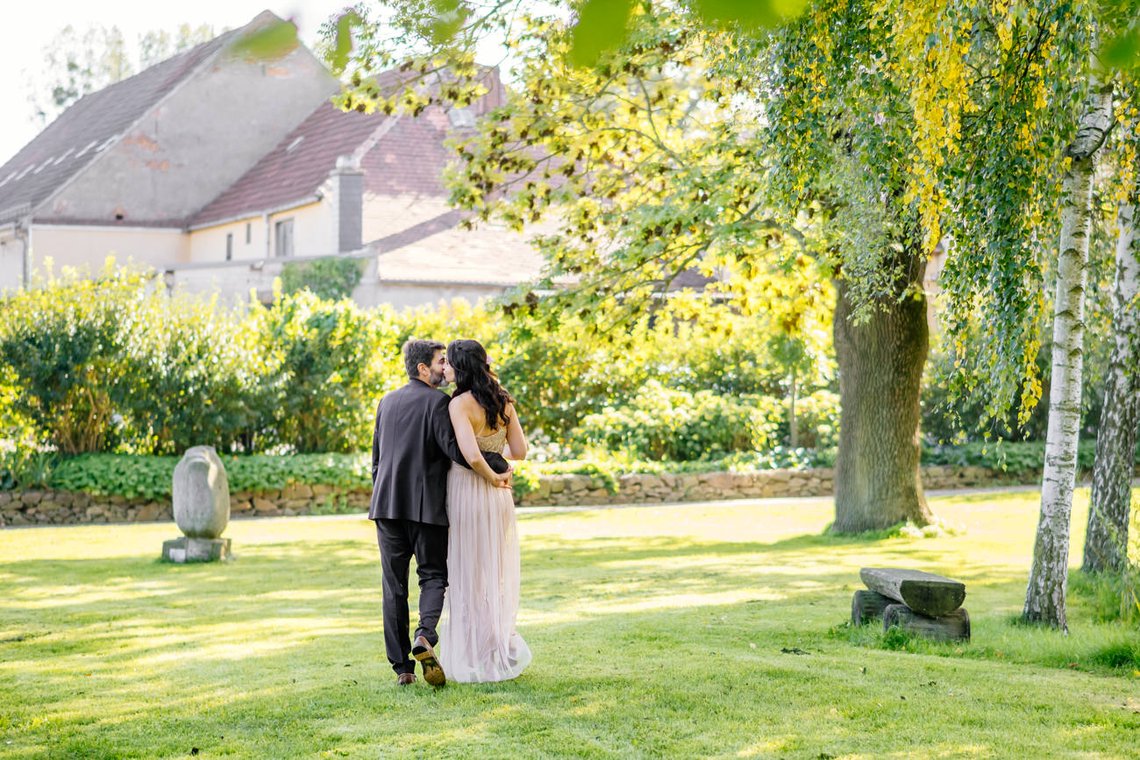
point(201, 497)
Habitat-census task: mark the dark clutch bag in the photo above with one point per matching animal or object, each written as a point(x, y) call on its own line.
point(496, 461)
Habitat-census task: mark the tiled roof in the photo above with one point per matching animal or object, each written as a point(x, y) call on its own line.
point(91, 125)
point(399, 155)
point(296, 167)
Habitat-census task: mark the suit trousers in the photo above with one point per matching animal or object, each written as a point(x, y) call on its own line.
point(399, 541)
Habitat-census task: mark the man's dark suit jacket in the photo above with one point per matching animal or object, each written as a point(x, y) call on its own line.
point(413, 446)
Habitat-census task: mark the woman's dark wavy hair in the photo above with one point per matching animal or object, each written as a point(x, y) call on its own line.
point(473, 373)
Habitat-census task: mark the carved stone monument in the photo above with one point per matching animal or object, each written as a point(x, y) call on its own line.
point(201, 508)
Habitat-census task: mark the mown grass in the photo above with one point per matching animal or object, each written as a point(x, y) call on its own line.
point(694, 631)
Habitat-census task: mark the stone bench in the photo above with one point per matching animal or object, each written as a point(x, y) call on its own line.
point(921, 603)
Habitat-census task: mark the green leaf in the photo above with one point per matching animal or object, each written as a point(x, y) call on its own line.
point(1123, 51)
point(601, 26)
point(271, 42)
point(342, 44)
point(750, 14)
point(449, 18)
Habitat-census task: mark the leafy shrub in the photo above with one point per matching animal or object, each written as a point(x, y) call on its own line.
point(817, 420)
point(270, 473)
point(116, 363)
point(330, 278)
point(1012, 457)
point(25, 466)
point(151, 477)
point(668, 424)
point(194, 374)
point(133, 476)
point(328, 371)
point(62, 345)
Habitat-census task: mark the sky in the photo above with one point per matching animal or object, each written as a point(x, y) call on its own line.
point(31, 26)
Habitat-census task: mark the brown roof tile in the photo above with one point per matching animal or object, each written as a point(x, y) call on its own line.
point(408, 158)
point(296, 167)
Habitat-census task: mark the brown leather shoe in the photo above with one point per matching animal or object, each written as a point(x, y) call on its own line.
point(405, 679)
point(433, 671)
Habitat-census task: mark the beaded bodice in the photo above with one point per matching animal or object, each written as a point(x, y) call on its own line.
point(493, 442)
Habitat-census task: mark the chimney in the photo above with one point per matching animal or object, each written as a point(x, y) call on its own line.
point(347, 181)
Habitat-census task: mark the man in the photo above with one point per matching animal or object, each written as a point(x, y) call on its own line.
point(412, 448)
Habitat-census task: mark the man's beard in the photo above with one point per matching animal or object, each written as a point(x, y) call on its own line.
point(437, 380)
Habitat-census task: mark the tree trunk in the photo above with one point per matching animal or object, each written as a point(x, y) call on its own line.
point(793, 428)
point(1106, 542)
point(880, 361)
point(1049, 578)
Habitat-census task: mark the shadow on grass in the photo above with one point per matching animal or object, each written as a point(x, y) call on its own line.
point(658, 646)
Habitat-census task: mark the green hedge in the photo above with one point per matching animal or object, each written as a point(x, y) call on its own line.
point(150, 476)
point(660, 423)
point(1014, 458)
point(115, 364)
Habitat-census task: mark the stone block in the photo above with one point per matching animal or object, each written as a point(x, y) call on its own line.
point(263, 505)
point(148, 512)
point(722, 480)
point(31, 497)
point(186, 549)
point(297, 491)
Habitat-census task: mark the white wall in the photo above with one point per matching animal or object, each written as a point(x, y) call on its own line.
point(313, 235)
point(11, 262)
point(314, 229)
point(86, 248)
point(200, 139)
point(209, 244)
point(409, 295)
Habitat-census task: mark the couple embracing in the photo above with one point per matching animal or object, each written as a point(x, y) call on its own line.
point(441, 492)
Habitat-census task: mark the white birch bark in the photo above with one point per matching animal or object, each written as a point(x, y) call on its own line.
point(1106, 541)
point(1048, 580)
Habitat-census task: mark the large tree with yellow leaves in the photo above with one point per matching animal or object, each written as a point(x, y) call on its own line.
point(719, 136)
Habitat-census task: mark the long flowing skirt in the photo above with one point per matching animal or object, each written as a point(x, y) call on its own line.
point(478, 640)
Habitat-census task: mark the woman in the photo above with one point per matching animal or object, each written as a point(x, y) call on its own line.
point(478, 624)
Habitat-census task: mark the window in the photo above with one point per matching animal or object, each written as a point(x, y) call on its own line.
point(284, 238)
point(461, 117)
point(248, 233)
point(229, 246)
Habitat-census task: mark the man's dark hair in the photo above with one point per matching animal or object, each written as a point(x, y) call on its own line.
point(417, 352)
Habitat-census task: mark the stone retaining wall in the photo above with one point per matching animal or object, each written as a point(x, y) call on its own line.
point(64, 508)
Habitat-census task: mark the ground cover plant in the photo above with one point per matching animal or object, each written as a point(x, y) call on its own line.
point(710, 630)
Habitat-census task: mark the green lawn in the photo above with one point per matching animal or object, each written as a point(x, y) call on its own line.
point(696, 631)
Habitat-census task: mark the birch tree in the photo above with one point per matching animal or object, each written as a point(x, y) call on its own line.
point(1048, 580)
point(1106, 540)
